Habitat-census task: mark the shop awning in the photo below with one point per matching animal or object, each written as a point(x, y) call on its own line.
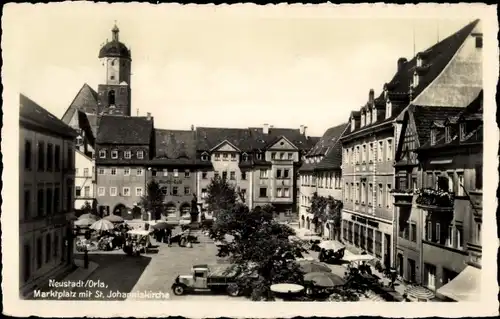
point(464, 287)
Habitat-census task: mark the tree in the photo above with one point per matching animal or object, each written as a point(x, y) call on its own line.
point(260, 246)
point(220, 195)
point(152, 201)
point(318, 208)
point(335, 214)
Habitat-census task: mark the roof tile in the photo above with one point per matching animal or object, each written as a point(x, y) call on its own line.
point(116, 129)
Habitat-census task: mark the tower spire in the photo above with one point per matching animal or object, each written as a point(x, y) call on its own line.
point(115, 32)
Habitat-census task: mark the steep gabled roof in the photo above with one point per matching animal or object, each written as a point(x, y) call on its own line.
point(333, 159)
point(329, 139)
point(175, 145)
point(115, 129)
point(85, 100)
point(209, 137)
point(435, 58)
point(261, 141)
point(33, 114)
point(425, 116)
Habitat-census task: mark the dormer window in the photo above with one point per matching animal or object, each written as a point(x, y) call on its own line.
point(415, 79)
point(259, 156)
point(204, 157)
point(114, 154)
point(79, 141)
point(433, 136)
point(374, 115)
point(140, 154)
point(362, 119)
point(463, 131)
point(353, 124)
point(127, 154)
point(388, 109)
point(102, 154)
point(447, 133)
point(244, 157)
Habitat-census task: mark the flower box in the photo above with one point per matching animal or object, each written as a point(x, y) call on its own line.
point(432, 198)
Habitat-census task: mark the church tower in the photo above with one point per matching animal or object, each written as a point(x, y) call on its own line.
point(114, 95)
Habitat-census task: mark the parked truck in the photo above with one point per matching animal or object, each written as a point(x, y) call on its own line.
point(209, 278)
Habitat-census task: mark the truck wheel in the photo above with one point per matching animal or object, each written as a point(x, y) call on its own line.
point(179, 290)
point(233, 290)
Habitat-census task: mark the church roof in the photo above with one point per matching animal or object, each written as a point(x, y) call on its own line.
point(114, 48)
point(85, 100)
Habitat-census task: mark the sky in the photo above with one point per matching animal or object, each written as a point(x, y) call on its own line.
point(222, 66)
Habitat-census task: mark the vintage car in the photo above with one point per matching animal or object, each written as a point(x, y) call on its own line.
point(209, 278)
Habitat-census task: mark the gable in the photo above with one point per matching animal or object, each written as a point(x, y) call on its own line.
point(282, 144)
point(85, 100)
point(225, 146)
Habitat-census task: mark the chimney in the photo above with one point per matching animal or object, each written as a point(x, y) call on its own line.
point(371, 96)
point(265, 128)
point(401, 63)
point(148, 116)
point(192, 127)
point(303, 129)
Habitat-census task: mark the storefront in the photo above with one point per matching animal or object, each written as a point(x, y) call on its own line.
point(368, 234)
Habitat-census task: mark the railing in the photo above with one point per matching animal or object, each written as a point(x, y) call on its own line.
point(402, 196)
point(432, 198)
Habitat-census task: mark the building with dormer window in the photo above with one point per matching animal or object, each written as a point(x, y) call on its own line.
point(438, 76)
point(46, 196)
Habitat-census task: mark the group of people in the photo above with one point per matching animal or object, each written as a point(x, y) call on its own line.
point(163, 236)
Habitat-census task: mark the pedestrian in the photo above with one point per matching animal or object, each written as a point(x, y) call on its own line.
point(168, 235)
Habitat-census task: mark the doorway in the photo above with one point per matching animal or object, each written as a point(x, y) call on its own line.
point(401, 265)
point(412, 271)
point(387, 257)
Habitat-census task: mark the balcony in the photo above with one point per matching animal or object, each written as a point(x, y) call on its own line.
point(402, 197)
point(435, 200)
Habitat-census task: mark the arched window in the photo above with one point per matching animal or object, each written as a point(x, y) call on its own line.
point(111, 97)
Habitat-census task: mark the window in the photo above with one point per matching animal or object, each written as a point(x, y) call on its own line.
point(389, 149)
point(126, 171)
point(430, 275)
point(278, 173)
point(243, 175)
point(279, 192)
point(111, 95)
point(380, 195)
point(438, 232)
point(114, 154)
point(263, 173)
point(127, 154)
point(113, 171)
point(113, 191)
point(232, 176)
point(244, 157)
point(263, 192)
point(224, 156)
point(41, 156)
point(346, 156)
point(451, 187)
point(176, 172)
point(413, 232)
point(48, 246)
point(27, 155)
point(57, 199)
point(479, 176)
point(460, 237)
point(27, 204)
point(204, 157)
point(479, 42)
point(57, 158)
point(224, 175)
point(126, 191)
point(286, 192)
point(140, 154)
point(85, 172)
point(388, 198)
point(380, 151)
point(78, 191)
point(204, 193)
point(164, 190)
point(286, 173)
point(370, 153)
point(50, 158)
point(388, 109)
point(273, 155)
point(478, 233)
point(87, 191)
point(357, 155)
point(39, 253)
point(165, 172)
point(282, 156)
point(217, 156)
point(370, 193)
point(216, 174)
point(100, 171)
point(363, 192)
point(175, 190)
point(449, 237)
point(233, 157)
point(187, 190)
point(378, 244)
point(187, 173)
point(100, 191)
point(363, 155)
point(429, 231)
point(102, 153)
point(48, 201)
point(139, 172)
point(290, 156)
point(138, 191)
point(204, 175)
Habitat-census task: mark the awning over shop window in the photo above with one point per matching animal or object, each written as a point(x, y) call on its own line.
point(464, 287)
